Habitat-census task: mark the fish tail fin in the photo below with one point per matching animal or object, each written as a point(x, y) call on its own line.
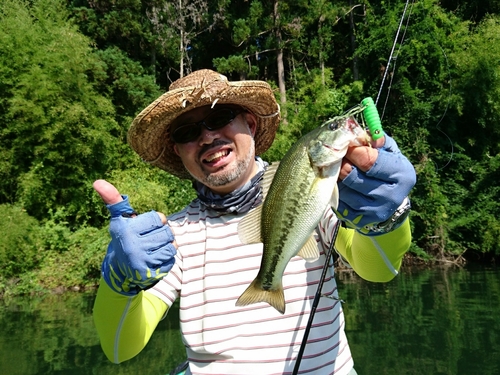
point(254, 294)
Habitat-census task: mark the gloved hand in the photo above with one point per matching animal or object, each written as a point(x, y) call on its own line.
point(367, 199)
point(141, 250)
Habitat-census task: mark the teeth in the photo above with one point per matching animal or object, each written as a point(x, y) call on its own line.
point(217, 155)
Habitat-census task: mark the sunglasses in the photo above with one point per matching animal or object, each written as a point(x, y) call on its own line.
point(186, 133)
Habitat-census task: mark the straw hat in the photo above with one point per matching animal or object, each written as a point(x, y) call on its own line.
point(149, 134)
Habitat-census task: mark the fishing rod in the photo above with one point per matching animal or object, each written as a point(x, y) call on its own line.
point(371, 119)
point(315, 304)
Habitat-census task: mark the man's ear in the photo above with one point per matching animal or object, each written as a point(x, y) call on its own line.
point(176, 151)
point(252, 122)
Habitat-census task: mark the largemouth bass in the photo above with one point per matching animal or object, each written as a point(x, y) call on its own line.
point(304, 184)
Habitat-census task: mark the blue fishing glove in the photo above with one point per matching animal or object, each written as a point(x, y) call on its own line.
point(141, 250)
point(375, 202)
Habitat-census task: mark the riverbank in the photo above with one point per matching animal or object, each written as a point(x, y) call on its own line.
point(37, 282)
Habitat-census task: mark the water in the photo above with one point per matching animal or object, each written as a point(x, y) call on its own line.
point(426, 322)
point(56, 335)
point(444, 321)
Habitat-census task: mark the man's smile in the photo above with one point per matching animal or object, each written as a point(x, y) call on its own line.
point(212, 158)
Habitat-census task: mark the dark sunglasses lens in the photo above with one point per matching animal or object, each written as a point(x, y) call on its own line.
point(186, 133)
point(219, 119)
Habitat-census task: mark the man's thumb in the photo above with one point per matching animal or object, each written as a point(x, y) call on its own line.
point(107, 191)
point(111, 195)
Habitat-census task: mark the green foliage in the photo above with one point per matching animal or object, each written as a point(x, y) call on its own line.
point(151, 189)
point(477, 227)
point(478, 80)
point(40, 257)
point(78, 262)
point(56, 131)
point(472, 9)
point(311, 104)
point(119, 22)
point(66, 101)
point(441, 110)
point(148, 189)
point(234, 63)
point(126, 82)
point(21, 242)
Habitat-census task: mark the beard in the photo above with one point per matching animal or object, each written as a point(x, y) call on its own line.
point(228, 176)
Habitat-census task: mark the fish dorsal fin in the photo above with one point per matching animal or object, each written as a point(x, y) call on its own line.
point(309, 251)
point(249, 227)
point(334, 200)
point(267, 179)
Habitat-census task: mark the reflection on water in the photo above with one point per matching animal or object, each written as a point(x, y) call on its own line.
point(423, 322)
point(55, 335)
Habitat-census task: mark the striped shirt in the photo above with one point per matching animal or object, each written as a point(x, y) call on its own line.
point(212, 270)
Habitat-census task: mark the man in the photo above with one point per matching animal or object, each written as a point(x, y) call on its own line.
point(211, 131)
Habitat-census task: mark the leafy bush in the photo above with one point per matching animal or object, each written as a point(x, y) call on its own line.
point(79, 264)
point(56, 129)
point(76, 256)
point(21, 243)
point(149, 188)
point(311, 104)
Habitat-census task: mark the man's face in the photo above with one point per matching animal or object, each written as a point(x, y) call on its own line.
point(221, 159)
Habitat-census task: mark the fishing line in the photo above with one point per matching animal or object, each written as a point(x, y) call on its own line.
point(395, 61)
point(337, 224)
point(392, 50)
point(446, 109)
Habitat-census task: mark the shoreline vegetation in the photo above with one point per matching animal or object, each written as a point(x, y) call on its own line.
point(74, 74)
point(10, 288)
point(49, 257)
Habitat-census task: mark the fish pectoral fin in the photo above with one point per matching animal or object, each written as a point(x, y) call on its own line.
point(254, 294)
point(334, 200)
point(249, 227)
point(309, 251)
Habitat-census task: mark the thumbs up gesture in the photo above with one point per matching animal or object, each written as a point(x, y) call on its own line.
point(142, 248)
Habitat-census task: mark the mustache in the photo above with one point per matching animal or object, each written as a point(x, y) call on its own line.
point(216, 143)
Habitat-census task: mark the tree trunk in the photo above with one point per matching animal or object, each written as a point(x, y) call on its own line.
point(320, 57)
point(279, 61)
point(355, 71)
point(181, 46)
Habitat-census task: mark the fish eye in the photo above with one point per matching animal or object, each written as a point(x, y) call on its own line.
point(333, 125)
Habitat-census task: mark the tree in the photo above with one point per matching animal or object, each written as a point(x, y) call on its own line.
point(477, 83)
point(279, 54)
point(56, 132)
point(474, 10)
point(183, 21)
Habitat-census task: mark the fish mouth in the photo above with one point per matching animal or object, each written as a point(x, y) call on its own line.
point(330, 147)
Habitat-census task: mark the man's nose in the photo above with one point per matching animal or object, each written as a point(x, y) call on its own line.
point(208, 136)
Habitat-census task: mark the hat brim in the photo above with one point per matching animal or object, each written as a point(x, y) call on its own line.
point(149, 134)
